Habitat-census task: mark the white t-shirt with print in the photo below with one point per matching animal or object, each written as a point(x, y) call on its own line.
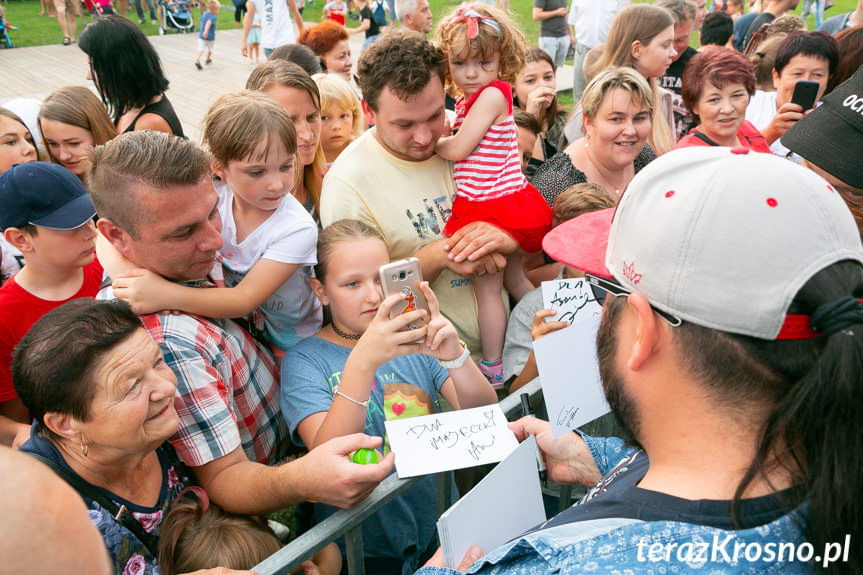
point(288, 236)
point(277, 24)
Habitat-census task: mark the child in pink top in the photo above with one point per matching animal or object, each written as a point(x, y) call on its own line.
point(485, 51)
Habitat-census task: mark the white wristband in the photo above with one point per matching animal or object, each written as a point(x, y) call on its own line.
point(459, 361)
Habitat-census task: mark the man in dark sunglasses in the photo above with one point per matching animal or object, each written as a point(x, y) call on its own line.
point(730, 347)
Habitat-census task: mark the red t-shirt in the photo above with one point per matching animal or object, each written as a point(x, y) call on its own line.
point(748, 135)
point(19, 310)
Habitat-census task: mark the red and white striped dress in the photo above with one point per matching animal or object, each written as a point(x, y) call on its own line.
point(490, 186)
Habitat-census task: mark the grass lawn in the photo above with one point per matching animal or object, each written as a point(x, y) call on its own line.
point(35, 30)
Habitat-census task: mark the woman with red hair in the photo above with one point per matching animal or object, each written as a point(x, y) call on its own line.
point(717, 85)
point(329, 40)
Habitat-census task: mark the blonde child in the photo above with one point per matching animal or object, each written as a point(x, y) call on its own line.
point(254, 39)
point(207, 35)
point(341, 115)
point(485, 51)
point(198, 535)
point(268, 237)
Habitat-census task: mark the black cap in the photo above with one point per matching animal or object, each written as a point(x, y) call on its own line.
point(831, 136)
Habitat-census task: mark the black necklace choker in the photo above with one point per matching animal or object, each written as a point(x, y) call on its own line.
point(340, 333)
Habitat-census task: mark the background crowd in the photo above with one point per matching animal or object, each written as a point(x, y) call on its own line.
point(195, 335)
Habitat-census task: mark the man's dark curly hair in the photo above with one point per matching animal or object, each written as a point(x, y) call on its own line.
point(401, 60)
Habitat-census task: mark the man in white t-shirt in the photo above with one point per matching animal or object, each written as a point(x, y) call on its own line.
point(276, 26)
point(590, 20)
point(391, 179)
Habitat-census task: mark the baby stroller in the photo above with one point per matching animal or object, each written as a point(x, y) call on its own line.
point(5, 38)
point(176, 14)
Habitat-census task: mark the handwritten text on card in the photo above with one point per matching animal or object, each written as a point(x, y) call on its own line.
point(571, 298)
point(451, 440)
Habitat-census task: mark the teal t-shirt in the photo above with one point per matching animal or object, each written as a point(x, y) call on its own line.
point(403, 387)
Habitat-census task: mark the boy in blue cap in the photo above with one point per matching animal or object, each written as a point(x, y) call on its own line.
point(47, 214)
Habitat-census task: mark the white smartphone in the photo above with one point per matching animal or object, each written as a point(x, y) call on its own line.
point(404, 276)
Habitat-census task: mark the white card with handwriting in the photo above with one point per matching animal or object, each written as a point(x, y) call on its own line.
point(571, 298)
point(452, 440)
point(569, 372)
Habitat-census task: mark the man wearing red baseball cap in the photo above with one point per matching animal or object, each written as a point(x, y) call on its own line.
point(730, 348)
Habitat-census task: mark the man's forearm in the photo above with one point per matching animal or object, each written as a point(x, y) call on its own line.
point(250, 488)
point(298, 19)
point(247, 25)
point(542, 15)
point(324, 474)
point(432, 259)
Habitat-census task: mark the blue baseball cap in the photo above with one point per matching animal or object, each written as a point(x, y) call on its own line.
point(43, 194)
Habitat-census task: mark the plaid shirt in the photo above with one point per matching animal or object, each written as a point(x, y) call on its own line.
point(227, 388)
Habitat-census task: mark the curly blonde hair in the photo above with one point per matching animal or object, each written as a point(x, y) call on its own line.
point(452, 39)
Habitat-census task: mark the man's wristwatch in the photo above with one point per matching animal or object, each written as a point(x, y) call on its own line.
point(459, 361)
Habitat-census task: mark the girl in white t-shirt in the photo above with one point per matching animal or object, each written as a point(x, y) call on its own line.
point(268, 238)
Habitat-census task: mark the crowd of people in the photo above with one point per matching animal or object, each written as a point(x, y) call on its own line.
point(194, 336)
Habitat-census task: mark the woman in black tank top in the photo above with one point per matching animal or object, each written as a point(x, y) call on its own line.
point(128, 75)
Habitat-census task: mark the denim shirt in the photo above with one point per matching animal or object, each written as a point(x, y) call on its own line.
point(630, 546)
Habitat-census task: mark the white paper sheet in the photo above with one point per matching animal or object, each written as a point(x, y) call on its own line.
point(505, 504)
point(451, 440)
point(569, 372)
point(571, 298)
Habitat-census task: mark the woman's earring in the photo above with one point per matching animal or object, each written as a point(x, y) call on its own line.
point(587, 141)
point(84, 448)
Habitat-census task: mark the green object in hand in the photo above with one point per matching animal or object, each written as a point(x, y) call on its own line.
point(365, 456)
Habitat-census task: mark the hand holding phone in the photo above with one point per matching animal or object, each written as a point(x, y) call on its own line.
point(404, 276)
point(805, 92)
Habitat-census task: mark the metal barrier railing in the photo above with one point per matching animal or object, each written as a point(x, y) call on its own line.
point(349, 522)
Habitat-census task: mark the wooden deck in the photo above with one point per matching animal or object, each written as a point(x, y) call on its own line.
point(36, 72)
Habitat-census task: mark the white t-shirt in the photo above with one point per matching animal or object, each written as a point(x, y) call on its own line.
point(760, 112)
point(277, 25)
point(13, 260)
point(408, 203)
point(592, 19)
point(761, 108)
point(288, 236)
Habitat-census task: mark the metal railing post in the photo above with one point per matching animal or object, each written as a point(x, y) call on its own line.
point(354, 550)
point(444, 491)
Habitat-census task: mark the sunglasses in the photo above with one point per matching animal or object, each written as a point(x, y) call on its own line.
point(602, 286)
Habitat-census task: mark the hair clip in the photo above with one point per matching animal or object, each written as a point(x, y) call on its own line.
point(467, 13)
point(199, 493)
